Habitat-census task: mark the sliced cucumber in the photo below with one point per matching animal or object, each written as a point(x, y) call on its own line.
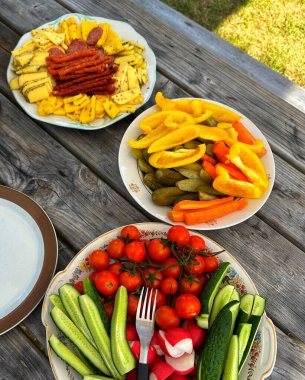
point(209, 293)
point(243, 332)
point(257, 313)
point(90, 289)
point(222, 298)
point(246, 304)
point(96, 377)
point(217, 343)
point(69, 297)
point(99, 333)
point(231, 366)
point(235, 296)
point(78, 338)
point(121, 353)
point(56, 301)
point(68, 356)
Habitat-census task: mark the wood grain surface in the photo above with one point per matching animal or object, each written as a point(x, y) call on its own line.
point(74, 175)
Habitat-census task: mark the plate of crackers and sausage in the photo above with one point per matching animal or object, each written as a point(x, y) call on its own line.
point(82, 72)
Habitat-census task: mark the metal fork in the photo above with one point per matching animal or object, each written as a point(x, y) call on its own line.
point(145, 322)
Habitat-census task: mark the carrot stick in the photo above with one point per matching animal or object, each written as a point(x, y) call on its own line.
point(243, 134)
point(210, 159)
point(176, 216)
point(234, 171)
point(220, 150)
point(195, 217)
point(209, 168)
point(195, 205)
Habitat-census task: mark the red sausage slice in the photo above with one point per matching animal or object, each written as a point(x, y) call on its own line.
point(76, 46)
point(55, 51)
point(94, 35)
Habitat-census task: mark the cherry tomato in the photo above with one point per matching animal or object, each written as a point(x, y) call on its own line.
point(130, 233)
point(190, 285)
point(203, 278)
point(187, 306)
point(146, 242)
point(167, 317)
point(157, 251)
point(197, 266)
point(109, 308)
point(135, 251)
point(131, 333)
point(132, 305)
point(179, 234)
point(106, 282)
point(93, 275)
point(211, 263)
point(169, 285)
point(173, 271)
point(153, 279)
point(116, 248)
point(116, 268)
point(99, 259)
point(79, 286)
point(161, 298)
point(131, 281)
point(196, 243)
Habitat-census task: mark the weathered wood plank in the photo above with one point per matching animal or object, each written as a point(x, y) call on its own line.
point(20, 360)
point(260, 73)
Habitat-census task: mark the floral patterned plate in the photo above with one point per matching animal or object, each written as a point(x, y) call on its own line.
point(133, 178)
point(262, 357)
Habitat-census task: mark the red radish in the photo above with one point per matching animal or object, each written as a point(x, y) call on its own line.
point(157, 359)
point(135, 349)
point(183, 365)
point(161, 371)
point(155, 343)
point(174, 376)
point(132, 375)
point(197, 333)
point(175, 342)
point(131, 333)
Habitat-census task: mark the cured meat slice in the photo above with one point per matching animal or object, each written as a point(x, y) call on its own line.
point(94, 35)
point(55, 51)
point(77, 45)
point(73, 56)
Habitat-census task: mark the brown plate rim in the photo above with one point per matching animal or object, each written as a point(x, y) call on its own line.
point(49, 262)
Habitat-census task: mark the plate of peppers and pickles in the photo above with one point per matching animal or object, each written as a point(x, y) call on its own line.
point(196, 162)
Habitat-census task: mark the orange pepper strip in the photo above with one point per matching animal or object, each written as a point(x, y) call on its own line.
point(209, 168)
point(234, 171)
point(221, 150)
point(243, 134)
point(212, 160)
point(195, 205)
point(202, 216)
point(176, 216)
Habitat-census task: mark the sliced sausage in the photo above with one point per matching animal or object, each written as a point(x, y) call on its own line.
point(77, 45)
point(94, 35)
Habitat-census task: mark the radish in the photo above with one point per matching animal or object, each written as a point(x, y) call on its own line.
point(197, 333)
point(135, 349)
point(132, 375)
point(175, 342)
point(161, 371)
point(174, 376)
point(183, 365)
point(131, 333)
point(155, 343)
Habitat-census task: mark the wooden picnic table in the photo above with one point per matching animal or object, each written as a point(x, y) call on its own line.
point(74, 174)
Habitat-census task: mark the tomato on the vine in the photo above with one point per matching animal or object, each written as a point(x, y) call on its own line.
point(190, 285)
point(131, 281)
point(93, 275)
point(203, 278)
point(167, 317)
point(158, 251)
point(197, 243)
point(135, 251)
point(99, 259)
point(172, 271)
point(79, 286)
point(153, 278)
point(133, 301)
point(169, 285)
point(116, 248)
point(116, 268)
point(211, 264)
point(106, 282)
point(179, 234)
point(130, 233)
point(161, 298)
point(196, 266)
point(187, 306)
point(109, 308)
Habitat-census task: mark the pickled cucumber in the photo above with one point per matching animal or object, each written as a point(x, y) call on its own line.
point(211, 122)
point(145, 155)
point(203, 196)
point(188, 173)
point(191, 144)
point(166, 195)
point(151, 181)
point(168, 177)
point(137, 153)
point(209, 150)
point(207, 188)
point(144, 166)
point(206, 177)
point(195, 166)
point(187, 197)
point(191, 185)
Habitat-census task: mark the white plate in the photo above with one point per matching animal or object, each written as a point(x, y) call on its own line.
point(28, 256)
point(124, 30)
point(133, 178)
point(263, 354)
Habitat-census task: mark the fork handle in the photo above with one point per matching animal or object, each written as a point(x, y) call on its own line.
point(142, 371)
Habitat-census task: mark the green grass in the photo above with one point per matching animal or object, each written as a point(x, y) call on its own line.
point(271, 31)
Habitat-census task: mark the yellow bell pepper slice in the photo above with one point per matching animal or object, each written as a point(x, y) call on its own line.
point(212, 133)
point(220, 113)
point(169, 159)
point(152, 121)
point(184, 105)
point(227, 185)
point(203, 117)
point(257, 147)
point(249, 163)
point(233, 136)
point(175, 138)
point(146, 141)
point(164, 103)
